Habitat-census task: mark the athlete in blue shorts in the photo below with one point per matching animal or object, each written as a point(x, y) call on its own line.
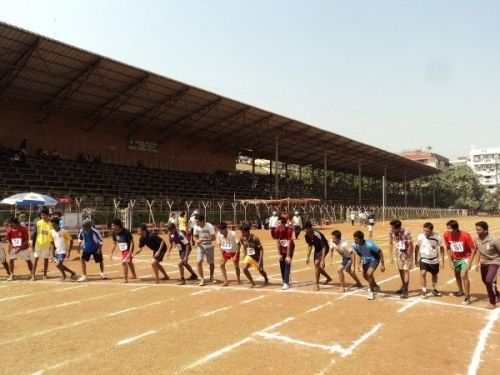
point(371, 256)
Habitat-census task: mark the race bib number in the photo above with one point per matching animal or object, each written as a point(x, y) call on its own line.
point(371, 221)
point(184, 241)
point(401, 245)
point(250, 251)
point(226, 245)
point(204, 236)
point(284, 243)
point(123, 246)
point(457, 247)
point(17, 242)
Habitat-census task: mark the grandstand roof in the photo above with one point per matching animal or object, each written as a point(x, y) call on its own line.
point(55, 76)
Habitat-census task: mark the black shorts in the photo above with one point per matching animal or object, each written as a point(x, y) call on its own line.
point(317, 254)
point(97, 256)
point(432, 268)
point(158, 255)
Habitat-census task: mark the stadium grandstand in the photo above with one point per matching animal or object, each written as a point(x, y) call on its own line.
point(77, 124)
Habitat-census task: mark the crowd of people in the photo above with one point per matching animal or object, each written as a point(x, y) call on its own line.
point(364, 256)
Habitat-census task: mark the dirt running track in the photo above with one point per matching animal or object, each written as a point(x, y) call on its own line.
point(104, 327)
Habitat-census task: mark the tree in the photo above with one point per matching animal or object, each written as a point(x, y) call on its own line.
point(458, 187)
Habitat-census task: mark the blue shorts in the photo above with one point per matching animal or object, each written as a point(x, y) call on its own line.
point(60, 258)
point(372, 264)
point(182, 254)
point(346, 263)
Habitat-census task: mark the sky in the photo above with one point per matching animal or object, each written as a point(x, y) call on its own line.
point(398, 75)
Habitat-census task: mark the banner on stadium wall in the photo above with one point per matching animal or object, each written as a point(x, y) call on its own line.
point(143, 146)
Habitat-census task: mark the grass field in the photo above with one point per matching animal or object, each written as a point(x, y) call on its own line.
point(142, 328)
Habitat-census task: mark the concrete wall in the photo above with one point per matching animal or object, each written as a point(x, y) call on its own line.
point(66, 133)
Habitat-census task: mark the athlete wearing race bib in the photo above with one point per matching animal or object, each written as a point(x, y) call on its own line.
point(286, 246)
point(430, 249)
point(402, 240)
point(17, 237)
point(461, 251)
point(125, 242)
point(315, 239)
point(179, 241)
point(230, 249)
point(254, 254)
point(204, 235)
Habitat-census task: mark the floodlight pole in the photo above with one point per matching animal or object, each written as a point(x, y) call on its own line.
point(359, 182)
point(276, 178)
point(324, 175)
point(406, 194)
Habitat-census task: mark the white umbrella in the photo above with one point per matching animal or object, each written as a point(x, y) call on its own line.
point(29, 199)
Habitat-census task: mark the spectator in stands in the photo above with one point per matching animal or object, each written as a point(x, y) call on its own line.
point(17, 237)
point(45, 153)
point(22, 146)
point(54, 155)
point(125, 242)
point(92, 246)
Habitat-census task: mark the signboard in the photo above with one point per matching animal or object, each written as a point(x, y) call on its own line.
point(143, 146)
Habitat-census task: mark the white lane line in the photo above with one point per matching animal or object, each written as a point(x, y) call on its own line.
point(201, 292)
point(408, 305)
point(252, 299)
point(122, 311)
point(278, 324)
point(318, 307)
point(137, 289)
point(72, 287)
point(134, 338)
point(15, 297)
point(460, 306)
point(481, 343)
point(215, 311)
point(218, 353)
point(362, 339)
point(335, 348)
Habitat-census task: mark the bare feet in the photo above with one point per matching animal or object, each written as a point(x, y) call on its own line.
point(252, 285)
point(225, 283)
point(341, 290)
point(316, 288)
point(489, 306)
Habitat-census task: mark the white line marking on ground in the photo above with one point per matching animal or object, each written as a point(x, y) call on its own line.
point(460, 306)
point(253, 299)
point(38, 372)
point(71, 288)
point(201, 292)
point(481, 343)
point(215, 311)
point(335, 348)
point(122, 311)
point(279, 324)
point(218, 353)
point(137, 289)
point(15, 297)
point(134, 338)
point(362, 339)
point(408, 306)
point(318, 307)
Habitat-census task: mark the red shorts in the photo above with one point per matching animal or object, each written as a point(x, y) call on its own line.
point(125, 255)
point(228, 255)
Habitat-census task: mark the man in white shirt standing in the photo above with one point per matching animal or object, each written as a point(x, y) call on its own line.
point(430, 248)
point(297, 224)
point(273, 223)
point(204, 235)
point(229, 248)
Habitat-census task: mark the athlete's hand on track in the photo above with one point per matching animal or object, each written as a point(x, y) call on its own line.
point(382, 268)
point(308, 260)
